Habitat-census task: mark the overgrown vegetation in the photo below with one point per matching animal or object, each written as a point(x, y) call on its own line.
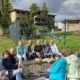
point(72, 42)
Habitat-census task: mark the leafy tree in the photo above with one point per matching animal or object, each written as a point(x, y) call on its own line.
point(33, 10)
point(29, 28)
point(44, 11)
point(5, 17)
point(28, 21)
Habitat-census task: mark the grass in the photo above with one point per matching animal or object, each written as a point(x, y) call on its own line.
point(5, 44)
point(72, 42)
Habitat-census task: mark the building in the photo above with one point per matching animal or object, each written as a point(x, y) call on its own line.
point(59, 25)
point(73, 25)
point(68, 25)
point(17, 13)
point(42, 20)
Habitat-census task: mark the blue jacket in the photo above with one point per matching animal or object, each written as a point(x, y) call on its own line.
point(58, 70)
point(21, 50)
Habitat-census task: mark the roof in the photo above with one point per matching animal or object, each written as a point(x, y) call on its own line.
point(52, 14)
point(19, 10)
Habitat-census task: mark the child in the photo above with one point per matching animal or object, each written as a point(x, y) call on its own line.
point(21, 52)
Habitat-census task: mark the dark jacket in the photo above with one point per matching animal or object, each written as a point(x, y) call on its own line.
point(6, 62)
point(13, 59)
point(38, 48)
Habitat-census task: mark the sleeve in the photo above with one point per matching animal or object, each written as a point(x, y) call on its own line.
point(32, 49)
point(17, 50)
point(56, 48)
point(25, 50)
point(35, 48)
point(55, 67)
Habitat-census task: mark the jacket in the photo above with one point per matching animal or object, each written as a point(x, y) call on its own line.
point(72, 61)
point(58, 70)
point(21, 50)
point(7, 64)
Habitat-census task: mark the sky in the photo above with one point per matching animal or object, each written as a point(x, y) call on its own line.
point(62, 8)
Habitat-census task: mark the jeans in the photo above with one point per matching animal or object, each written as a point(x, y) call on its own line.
point(17, 74)
point(46, 74)
point(20, 58)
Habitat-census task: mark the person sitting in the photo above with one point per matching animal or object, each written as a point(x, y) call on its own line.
point(21, 52)
point(46, 50)
point(78, 56)
point(72, 70)
point(57, 71)
point(54, 49)
point(6, 62)
point(3, 72)
point(39, 50)
point(13, 57)
point(8, 66)
point(30, 51)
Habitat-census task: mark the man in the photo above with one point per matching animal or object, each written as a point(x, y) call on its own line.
point(58, 69)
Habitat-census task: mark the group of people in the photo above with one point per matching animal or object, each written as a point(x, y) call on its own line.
point(11, 60)
point(38, 50)
point(63, 67)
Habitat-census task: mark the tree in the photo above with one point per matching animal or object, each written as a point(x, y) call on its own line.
point(33, 10)
point(27, 22)
point(5, 17)
point(29, 28)
point(44, 11)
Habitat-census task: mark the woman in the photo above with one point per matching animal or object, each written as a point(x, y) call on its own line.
point(30, 50)
point(58, 69)
point(9, 66)
point(39, 50)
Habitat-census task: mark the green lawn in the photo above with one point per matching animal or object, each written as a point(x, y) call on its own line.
point(72, 42)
